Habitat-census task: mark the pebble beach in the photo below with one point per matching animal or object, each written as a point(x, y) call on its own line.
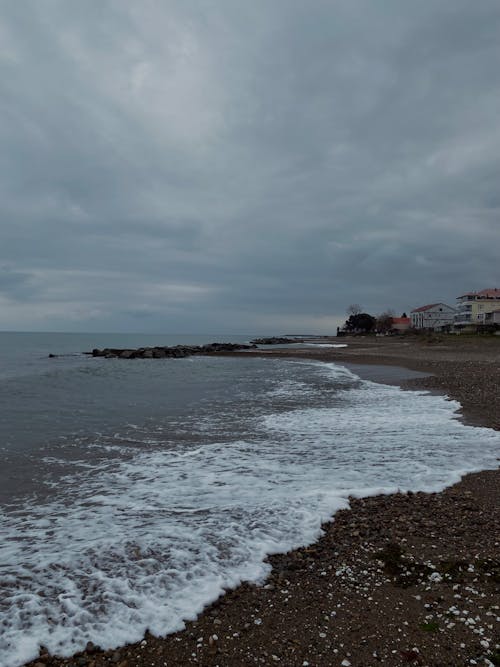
point(398, 579)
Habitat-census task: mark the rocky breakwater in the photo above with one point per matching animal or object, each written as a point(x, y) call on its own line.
point(276, 340)
point(174, 352)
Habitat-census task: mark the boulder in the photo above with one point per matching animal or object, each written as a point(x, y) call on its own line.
point(276, 340)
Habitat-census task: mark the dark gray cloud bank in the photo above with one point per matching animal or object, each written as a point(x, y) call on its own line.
point(233, 166)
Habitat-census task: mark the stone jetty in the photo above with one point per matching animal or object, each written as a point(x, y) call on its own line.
point(276, 340)
point(173, 352)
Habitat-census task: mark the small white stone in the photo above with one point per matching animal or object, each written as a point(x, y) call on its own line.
point(345, 663)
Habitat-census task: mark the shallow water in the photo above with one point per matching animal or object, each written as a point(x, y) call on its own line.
point(134, 492)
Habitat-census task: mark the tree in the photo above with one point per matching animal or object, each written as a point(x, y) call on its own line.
point(354, 309)
point(384, 321)
point(360, 323)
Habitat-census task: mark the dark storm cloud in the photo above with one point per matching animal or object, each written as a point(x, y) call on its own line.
point(244, 166)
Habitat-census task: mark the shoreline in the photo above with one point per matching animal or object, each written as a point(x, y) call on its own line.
point(379, 584)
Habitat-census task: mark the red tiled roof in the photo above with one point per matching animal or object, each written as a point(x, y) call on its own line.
point(401, 320)
point(491, 293)
point(494, 293)
point(422, 308)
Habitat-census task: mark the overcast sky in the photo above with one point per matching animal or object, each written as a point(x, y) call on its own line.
point(227, 166)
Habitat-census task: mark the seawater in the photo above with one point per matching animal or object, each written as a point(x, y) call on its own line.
point(132, 493)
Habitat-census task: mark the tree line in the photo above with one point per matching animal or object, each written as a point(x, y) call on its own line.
point(361, 322)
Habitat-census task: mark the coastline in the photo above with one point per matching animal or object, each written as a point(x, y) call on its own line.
point(384, 582)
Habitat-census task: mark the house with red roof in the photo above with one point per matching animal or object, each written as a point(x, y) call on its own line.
point(400, 324)
point(435, 316)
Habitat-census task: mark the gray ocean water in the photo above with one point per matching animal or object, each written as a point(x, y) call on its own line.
point(51, 405)
point(133, 492)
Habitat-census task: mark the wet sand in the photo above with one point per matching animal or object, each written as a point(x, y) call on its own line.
point(395, 580)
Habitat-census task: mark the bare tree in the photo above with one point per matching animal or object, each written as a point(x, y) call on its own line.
point(384, 321)
point(354, 309)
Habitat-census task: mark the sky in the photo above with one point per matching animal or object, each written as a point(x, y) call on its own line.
point(226, 166)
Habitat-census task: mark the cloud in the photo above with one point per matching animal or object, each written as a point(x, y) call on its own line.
point(16, 285)
point(216, 165)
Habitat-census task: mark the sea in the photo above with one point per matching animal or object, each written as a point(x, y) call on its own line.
point(134, 492)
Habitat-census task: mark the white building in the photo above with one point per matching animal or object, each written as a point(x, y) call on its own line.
point(492, 318)
point(436, 316)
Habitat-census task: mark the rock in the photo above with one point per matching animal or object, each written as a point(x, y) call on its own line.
point(91, 648)
point(44, 655)
point(275, 340)
point(175, 352)
point(178, 352)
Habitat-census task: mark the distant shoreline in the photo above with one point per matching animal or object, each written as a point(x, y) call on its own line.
point(465, 368)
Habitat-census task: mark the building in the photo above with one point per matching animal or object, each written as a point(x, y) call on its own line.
point(473, 307)
point(492, 318)
point(400, 323)
point(435, 316)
